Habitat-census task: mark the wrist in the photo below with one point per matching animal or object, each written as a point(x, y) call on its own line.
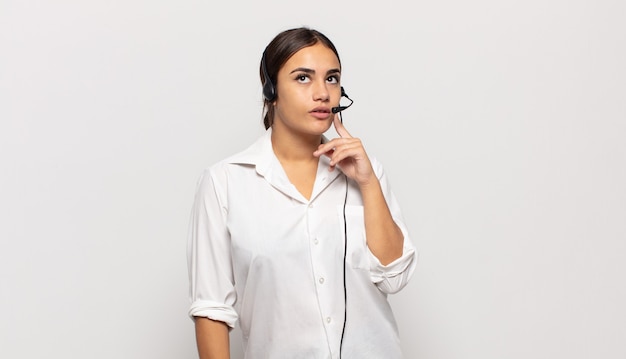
point(370, 183)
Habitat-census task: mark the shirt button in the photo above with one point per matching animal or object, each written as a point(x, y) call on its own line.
point(321, 280)
point(316, 241)
point(327, 319)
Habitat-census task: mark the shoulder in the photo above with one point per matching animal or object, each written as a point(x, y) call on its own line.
point(255, 155)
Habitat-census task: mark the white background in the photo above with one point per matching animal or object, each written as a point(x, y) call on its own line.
point(501, 125)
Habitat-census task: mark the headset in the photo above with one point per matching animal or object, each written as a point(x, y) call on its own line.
point(269, 92)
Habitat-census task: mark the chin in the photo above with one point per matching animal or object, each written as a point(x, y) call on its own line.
point(322, 127)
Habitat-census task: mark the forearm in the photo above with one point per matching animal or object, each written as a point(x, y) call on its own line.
point(212, 339)
point(384, 238)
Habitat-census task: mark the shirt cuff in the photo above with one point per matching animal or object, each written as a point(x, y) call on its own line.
point(214, 311)
point(394, 276)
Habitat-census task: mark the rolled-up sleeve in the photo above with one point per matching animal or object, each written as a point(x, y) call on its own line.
point(212, 293)
point(394, 276)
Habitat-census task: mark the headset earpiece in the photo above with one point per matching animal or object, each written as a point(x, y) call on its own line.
point(269, 91)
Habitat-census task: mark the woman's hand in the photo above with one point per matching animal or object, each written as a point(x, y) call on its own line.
point(349, 154)
point(384, 238)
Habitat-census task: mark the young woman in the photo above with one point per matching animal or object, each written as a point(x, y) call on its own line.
point(298, 238)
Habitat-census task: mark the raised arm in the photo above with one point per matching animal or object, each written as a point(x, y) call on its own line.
point(384, 238)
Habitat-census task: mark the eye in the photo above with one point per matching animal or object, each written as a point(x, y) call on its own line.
point(302, 78)
point(333, 79)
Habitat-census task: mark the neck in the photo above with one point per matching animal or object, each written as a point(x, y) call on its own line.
point(295, 148)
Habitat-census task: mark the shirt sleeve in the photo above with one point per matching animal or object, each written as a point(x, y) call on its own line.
point(394, 276)
point(212, 293)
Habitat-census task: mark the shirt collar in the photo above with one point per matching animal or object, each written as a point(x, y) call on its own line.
point(261, 155)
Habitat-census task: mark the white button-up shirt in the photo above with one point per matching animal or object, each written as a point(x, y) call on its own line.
point(262, 254)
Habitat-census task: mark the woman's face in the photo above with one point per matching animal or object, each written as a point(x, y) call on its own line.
point(308, 87)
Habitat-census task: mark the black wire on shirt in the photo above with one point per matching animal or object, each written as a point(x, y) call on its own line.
point(345, 251)
point(345, 240)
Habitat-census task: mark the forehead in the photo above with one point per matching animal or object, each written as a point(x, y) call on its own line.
point(315, 56)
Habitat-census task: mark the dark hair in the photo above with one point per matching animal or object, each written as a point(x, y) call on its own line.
point(279, 50)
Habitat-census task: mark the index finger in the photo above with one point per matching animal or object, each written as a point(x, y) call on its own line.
point(341, 130)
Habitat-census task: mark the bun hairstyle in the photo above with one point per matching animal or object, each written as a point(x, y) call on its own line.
point(276, 54)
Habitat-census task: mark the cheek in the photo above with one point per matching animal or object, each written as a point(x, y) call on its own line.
point(289, 104)
point(283, 110)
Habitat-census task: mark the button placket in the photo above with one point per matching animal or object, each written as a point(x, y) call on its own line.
point(319, 252)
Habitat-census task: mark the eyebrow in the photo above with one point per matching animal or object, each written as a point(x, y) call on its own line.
point(311, 71)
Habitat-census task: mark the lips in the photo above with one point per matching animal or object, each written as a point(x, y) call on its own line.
point(320, 112)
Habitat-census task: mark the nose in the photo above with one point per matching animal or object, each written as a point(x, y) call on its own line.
point(320, 91)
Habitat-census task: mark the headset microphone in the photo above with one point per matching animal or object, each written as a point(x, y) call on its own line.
point(341, 108)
